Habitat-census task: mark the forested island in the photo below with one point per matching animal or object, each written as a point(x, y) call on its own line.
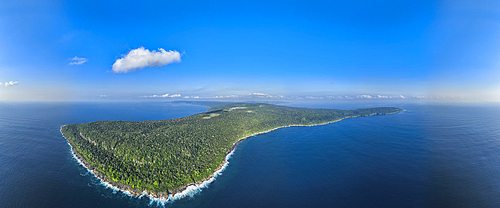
point(164, 157)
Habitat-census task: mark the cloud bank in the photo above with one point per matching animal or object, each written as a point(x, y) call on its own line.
point(141, 57)
point(344, 97)
point(264, 96)
point(8, 83)
point(78, 61)
point(163, 96)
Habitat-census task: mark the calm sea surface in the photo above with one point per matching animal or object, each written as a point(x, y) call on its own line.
point(426, 156)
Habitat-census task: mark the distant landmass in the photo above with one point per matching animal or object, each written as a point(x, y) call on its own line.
point(164, 157)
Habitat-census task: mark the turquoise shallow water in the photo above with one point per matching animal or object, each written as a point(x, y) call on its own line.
point(426, 156)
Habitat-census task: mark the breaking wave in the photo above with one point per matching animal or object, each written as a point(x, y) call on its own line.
point(190, 191)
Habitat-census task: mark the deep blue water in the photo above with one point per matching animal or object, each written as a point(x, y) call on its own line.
point(426, 156)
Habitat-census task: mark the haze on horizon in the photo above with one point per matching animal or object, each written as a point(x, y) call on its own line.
point(309, 50)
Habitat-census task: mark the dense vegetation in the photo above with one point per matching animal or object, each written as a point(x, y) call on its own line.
point(161, 156)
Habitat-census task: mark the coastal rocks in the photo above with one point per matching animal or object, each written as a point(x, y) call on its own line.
point(160, 196)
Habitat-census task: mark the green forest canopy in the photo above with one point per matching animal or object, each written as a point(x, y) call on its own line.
point(162, 156)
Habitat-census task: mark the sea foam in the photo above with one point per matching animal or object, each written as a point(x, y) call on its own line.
point(101, 182)
point(190, 191)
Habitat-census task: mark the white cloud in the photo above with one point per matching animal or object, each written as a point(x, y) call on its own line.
point(78, 61)
point(314, 97)
point(263, 95)
point(163, 96)
point(8, 83)
point(258, 94)
point(141, 57)
point(254, 96)
point(364, 96)
point(246, 96)
point(307, 97)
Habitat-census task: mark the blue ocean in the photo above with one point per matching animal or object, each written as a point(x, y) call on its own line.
point(430, 155)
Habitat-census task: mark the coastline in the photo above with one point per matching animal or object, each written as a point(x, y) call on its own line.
point(188, 189)
point(160, 197)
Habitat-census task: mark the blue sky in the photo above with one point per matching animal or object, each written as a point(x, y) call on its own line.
point(299, 49)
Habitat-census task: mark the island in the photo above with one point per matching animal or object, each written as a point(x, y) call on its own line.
point(161, 158)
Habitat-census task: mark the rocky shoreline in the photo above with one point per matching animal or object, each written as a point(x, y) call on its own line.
point(135, 192)
point(172, 193)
